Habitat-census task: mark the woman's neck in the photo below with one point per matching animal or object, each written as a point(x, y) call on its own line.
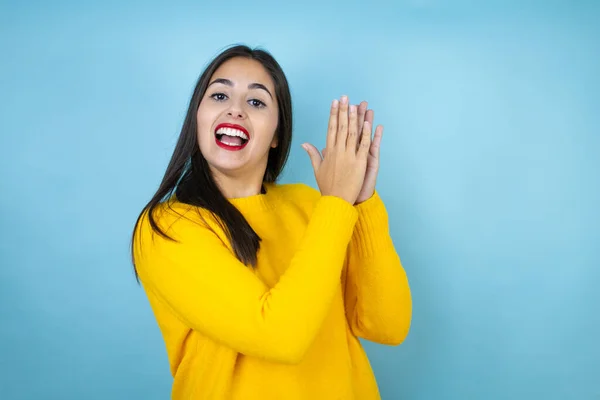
point(238, 187)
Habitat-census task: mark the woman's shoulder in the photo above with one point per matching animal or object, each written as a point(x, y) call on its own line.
point(172, 215)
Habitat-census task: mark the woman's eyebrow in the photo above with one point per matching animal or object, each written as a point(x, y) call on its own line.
point(254, 85)
point(260, 86)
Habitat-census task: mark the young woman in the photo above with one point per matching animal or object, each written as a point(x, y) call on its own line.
point(261, 290)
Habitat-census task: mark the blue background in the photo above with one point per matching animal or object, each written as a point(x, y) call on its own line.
point(490, 172)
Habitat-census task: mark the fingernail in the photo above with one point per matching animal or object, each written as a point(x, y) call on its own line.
point(352, 108)
point(344, 99)
point(335, 103)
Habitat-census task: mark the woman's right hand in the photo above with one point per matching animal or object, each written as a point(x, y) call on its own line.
point(341, 171)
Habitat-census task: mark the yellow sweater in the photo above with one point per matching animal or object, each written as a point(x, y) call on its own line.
point(327, 274)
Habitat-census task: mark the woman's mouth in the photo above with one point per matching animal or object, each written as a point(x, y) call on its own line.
point(231, 137)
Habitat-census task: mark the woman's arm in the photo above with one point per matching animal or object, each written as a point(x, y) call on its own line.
point(377, 293)
point(204, 285)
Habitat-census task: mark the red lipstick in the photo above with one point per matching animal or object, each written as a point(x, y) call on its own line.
point(236, 127)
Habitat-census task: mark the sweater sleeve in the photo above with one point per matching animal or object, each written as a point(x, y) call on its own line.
point(377, 294)
point(199, 279)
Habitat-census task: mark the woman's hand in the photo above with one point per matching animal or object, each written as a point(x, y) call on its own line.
point(368, 188)
point(342, 169)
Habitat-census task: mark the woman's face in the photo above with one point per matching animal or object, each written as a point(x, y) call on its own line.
point(237, 118)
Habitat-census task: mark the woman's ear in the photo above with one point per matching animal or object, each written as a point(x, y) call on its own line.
point(275, 140)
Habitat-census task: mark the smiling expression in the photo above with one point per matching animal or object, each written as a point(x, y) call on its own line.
point(237, 118)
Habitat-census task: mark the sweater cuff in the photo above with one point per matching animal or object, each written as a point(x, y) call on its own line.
point(371, 233)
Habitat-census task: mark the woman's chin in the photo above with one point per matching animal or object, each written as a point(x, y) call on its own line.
point(229, 165)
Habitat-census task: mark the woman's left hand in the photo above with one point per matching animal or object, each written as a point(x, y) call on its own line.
point(368, 188)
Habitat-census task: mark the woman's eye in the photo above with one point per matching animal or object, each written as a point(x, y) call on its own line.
point(219, 96)
point(256, 103)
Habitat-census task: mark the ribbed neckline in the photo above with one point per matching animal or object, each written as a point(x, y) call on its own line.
point(257, 202)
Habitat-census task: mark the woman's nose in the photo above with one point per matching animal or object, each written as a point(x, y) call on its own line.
point(236, 111)
point(235, 114)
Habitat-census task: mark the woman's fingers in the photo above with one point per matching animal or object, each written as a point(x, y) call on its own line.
point(368, 117)
point(342, 131)
point(362, 111)
point(376, 145)
point(339, 168)
point(352, 128)
point(333, 124)
point(365, 140)
point(347, 123)
point(315, 156)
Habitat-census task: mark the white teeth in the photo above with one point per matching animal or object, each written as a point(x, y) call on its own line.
point(232, 132)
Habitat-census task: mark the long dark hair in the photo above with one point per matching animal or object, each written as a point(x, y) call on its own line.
point(188, 175)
